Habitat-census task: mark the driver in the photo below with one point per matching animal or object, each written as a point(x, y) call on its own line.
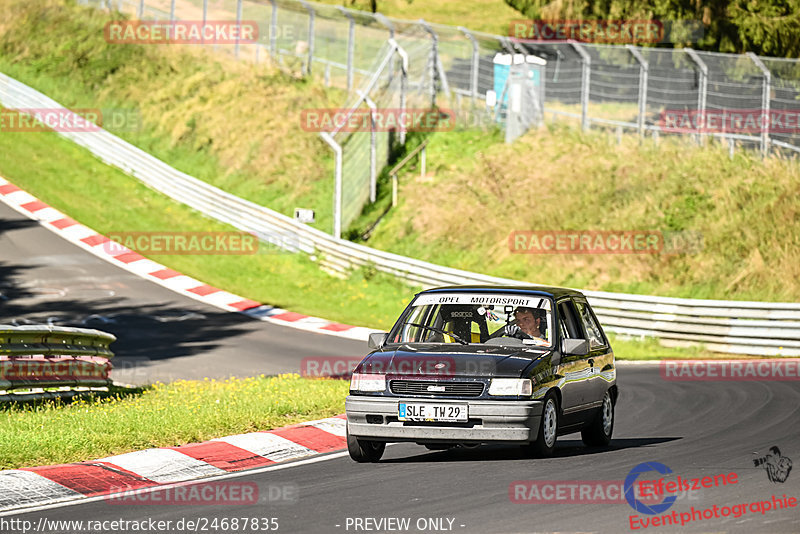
point(528, 325)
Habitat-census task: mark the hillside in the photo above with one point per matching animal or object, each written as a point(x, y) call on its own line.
point(745, 210)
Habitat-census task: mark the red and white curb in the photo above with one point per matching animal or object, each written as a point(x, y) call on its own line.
point(153, 468)
point(96, 243)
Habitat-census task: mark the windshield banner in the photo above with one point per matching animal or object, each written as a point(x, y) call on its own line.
point(481, 299)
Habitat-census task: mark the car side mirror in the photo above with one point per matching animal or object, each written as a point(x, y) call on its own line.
point(578, 347)
point(377, 339)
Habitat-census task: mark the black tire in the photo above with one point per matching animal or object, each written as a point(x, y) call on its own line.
point(547, 435)
point(598, 432)
point(363, 450)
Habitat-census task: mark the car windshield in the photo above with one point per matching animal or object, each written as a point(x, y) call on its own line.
point(476, 318)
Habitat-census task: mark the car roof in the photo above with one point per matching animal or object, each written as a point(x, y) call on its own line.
point(547, 291)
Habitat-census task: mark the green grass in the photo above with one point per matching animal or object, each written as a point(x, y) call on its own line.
point(73, 181)
point(54, 431)
point(232, 124)
point(559, 178)
point(648, 348)
point(235, 125)
point(491, 16)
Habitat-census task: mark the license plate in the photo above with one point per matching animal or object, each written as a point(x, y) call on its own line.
point(419, 411)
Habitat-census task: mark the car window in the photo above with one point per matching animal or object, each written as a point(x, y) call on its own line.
point(569, 325)
point(476, 318)
point(590, 325)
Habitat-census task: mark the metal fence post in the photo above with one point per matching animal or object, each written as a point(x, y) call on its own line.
point(586, 72)
point(273, 31)
point(337, 183)
point(205, 18)
point(238, 23)
point(643, 72)
point(172, 11)
point(386, 22)
point(403, 82)
point(765, 111)
point(310, 35)
point(140, 11)
point(702, 89)
point(432, 61)
point(476, 59)
point(380, 17)
point(373, 152)
point(511, 46)
point(351, 42)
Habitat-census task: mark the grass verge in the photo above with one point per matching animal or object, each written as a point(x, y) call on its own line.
point(73, 181)
point(234, 124)
point(70, 179)
point(163, 415)
point(741, 212)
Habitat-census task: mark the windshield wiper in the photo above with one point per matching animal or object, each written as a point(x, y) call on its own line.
point(439, 330)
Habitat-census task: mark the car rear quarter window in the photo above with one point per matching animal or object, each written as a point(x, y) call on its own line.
point(568, 322)
point(590, 325)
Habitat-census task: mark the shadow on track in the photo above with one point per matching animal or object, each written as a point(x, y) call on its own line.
point(492, 453)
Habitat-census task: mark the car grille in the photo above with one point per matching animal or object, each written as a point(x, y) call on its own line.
point(420, 387)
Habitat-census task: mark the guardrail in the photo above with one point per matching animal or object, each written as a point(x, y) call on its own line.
point(34, 358)
point(754, 328)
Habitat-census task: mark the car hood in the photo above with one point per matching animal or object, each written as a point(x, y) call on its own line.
point(438, 362)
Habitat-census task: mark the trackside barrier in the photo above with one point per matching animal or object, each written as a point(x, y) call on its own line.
point(753, 328)
point(38, 357)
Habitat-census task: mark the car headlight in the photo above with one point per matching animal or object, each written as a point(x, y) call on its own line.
point(511, 386)
point(367, 382)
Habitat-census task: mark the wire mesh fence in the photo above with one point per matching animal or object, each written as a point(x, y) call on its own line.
point(750, 101)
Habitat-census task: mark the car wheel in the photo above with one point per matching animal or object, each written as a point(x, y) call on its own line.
point(545, 442)
point(598, 433)
point(364, 451)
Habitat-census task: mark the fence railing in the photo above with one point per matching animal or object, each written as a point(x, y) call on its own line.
point(757, 328)
point(41, 361)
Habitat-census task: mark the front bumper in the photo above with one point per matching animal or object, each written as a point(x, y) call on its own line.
point(489, 420)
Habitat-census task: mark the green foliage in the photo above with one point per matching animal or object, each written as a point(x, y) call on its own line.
point(766, 27)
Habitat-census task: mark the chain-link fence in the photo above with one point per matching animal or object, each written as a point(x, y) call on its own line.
point(747, 100)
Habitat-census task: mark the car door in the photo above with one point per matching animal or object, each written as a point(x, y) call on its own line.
point(575, 369)
point(601, 360)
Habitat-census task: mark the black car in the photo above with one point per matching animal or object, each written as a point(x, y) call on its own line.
point(466, 365)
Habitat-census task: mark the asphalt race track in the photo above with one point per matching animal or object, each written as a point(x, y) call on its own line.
point(695, 428)
point(161, 335)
